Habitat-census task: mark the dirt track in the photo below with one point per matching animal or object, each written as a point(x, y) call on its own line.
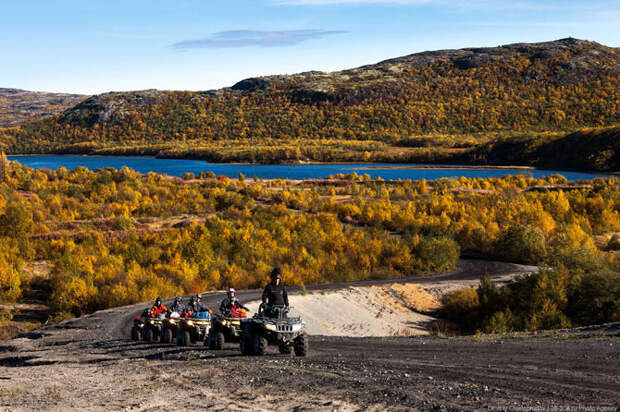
point(88, 363)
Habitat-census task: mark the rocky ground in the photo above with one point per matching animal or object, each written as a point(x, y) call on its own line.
point(17, 106)
point(90, 364)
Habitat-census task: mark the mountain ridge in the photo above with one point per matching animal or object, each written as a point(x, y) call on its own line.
point(458, 99)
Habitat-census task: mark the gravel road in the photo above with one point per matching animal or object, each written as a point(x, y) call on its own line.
point(89, 364)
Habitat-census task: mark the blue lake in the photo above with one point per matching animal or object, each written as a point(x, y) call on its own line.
point(175, 167)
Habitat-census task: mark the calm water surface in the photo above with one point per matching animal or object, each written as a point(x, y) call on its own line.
point(175, 167)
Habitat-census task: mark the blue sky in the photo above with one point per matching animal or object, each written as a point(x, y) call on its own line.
point(94, 46)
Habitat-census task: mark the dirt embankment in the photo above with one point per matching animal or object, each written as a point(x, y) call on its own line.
point(389, 309)
point(392, 310)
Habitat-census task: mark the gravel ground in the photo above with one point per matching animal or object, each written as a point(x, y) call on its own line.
point(89, 364)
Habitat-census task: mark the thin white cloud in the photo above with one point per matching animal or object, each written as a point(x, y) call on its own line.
point(325, 2)
point(255, 38)
point(460, 4)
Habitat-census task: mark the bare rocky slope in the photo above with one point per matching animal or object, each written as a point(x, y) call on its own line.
point(17, 106)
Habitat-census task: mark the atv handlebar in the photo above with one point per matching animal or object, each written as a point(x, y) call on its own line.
point(280, 311)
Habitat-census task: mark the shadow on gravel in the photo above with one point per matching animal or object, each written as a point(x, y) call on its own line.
point(21, 361)
point(59, 343)
point(421, 324)
point(8, 348)
point(121, 343)
point(30, 335)
point(124, 349)
point(183, 354)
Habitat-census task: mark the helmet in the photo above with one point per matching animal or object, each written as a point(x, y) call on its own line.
point(276, 274)
point(158, 301)
point(177, 299)
point(197, 298)
point(232, 292)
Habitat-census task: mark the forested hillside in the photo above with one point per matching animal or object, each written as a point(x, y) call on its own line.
point(431, 106)
point(114, 237)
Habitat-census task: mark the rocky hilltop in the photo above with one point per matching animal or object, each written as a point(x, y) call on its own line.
point(570, 60)
point(17, 106)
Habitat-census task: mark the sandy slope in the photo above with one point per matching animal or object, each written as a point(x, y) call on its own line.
point(363, 311)
point(392, 309)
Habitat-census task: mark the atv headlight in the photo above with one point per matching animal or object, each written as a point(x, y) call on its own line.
point(152, 322)
point(271, 326)
point(190, 323)
point(296, 327)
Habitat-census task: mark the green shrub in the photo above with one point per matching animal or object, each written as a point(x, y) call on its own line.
point(437, 253)
point(614, 243)
point(16, 221)
point(489, 297)
point(500, 322)
point(548, 316)
point(462, 307)
point(595, 299)
point(124, 222)
point(576, 258)
point(521, 244)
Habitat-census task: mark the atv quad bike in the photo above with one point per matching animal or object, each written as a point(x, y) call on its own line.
point(225, 328)
point(138, 325)
point(194, 329)
point(274, 328)
point(169, 328)
point(151, 331)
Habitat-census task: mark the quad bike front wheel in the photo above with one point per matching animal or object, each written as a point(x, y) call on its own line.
point(260, 345)
point(219, 340)
point(213, 340)
point(300, 344)
point(285, 349)
point(167, 336)
point(135, 333)
point(148, 335)
point(245, 344)
point(183, 338)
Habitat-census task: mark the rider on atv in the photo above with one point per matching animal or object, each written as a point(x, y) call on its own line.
point(194, 307)
point(231, 304)
point(158, 308)
point(274, 293)
point(176, 306)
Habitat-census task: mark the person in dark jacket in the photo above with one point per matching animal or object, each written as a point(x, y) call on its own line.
point(177, 306)
point(195, 307)
point(274, 293)
point(231, 303)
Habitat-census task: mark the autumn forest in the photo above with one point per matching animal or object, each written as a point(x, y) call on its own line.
point(115, 237)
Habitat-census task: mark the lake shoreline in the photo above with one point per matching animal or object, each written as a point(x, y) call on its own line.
point(291, 170)
point(382, 166)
